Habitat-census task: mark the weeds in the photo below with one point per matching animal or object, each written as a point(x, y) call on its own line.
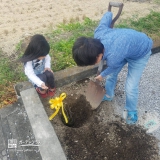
point(62, 39)
point(157, 1)
point(149, 24)
point(10, 73)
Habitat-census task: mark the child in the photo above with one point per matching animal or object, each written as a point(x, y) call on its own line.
point(117, 47)
point(37, 66)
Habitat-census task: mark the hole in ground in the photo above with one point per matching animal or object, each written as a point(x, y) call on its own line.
point(77, 110)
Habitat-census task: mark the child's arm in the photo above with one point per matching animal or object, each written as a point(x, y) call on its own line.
point(104, 24)
point(48, 63)
point(31, 75)
point(106, 20)
point(106, 72)
point(117, 52)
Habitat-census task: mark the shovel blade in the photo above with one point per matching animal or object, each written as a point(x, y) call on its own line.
point(94, 94)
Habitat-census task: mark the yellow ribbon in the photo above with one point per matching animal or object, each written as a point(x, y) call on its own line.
point(56, 104)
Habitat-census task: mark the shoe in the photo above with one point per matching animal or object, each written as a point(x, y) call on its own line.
point(43, 95)
point(131, 117)
point(125, 113)
point(105, 98)
point(51, 93)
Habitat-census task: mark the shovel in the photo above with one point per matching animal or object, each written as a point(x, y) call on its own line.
point(95, 92)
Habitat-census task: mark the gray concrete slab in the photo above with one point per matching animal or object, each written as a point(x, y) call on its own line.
point(50, 147)
point(15, 132)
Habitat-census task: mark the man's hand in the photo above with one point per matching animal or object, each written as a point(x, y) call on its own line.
point(100, 78)
point(43, 86)
point(48, 69)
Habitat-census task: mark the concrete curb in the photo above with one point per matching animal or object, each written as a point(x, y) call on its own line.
point(155, 50)
point(50, 147)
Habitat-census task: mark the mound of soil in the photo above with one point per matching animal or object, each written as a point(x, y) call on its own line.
point(99, 134)
point(114, 141)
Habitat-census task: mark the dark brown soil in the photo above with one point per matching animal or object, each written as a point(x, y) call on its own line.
point(99, 134)
point(77, 111)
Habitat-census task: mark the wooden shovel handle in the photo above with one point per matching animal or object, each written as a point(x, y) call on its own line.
point(100, 67)
point(115, 4)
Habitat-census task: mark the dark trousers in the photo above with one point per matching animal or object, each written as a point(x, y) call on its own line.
point(48, 78)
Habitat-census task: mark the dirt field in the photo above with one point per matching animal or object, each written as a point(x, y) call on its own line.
point(19, 19)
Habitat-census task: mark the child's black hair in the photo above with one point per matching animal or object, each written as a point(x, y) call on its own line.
point(86, 50)
point(37, 47)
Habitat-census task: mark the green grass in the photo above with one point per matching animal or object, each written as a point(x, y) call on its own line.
point(149, 24)
point(10, 71)
point(61, 41)
point(157, 1)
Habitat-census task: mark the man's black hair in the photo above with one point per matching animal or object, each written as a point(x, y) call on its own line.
point(37, 47)
point(86, 50)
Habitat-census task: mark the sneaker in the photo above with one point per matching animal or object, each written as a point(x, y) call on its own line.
point(131, 117)
point(125, 113)
point(105, 98)
point(51, 93)
point(43, 95)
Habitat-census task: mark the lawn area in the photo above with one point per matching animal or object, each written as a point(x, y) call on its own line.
point(61, 41)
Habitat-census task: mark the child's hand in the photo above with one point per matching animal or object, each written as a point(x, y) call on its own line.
point(48, 69)
point(43, 86)
point(100, 78)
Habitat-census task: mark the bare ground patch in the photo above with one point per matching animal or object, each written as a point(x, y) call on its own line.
point(98, 134)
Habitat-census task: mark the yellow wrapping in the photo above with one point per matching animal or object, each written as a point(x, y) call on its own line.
point(56, 104)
